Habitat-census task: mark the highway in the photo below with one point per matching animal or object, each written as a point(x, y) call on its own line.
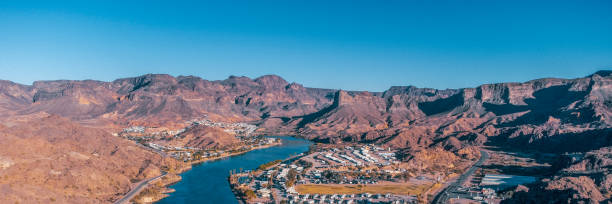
point(162, 153)
point(450, 190)
point(139, 187)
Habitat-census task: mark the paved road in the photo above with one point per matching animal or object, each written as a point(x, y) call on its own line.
point(293, 158)
point(162, 153)
point(139, 187)
point(449, 192)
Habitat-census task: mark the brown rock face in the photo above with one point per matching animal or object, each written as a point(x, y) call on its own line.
point(584, 177)
point(554, 115)
point(548, 114)
point(350, 115)
point(579, 189)
point(160, 99)
point(54, 160)
point(205, 137)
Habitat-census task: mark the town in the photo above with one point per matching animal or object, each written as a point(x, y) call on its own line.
point(349, 174)
point(368, 174)
point(340, 173)
point(195, 155)
point(156, 139)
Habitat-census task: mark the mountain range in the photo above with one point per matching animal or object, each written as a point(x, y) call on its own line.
point(56, 127)
point(549, 114)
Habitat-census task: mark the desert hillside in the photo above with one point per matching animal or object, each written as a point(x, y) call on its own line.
point(52, 159)
point(59, 132)
point(551, 114)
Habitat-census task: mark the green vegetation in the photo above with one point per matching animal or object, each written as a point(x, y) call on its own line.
point(269, 164)
point(151, 192)
point(250, 194)
point(291, 177)
point(246, 193)
point(305, 164)
point(405, 176)
point(333, 176)
point(197, 155)
point(168, 168)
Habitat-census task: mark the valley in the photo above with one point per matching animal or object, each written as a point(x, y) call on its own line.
point(403, 144)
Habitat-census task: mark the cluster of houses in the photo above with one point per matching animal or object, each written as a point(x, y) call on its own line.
point(138, 130)
point(152, 137)
point(189, 153)
point(258, 141)
point(239, 129)
point(279, 182)
point(275, 178)
point(168, 148)
point(315, 177)
point(352, 198)
point(491, 183)
point(362, 156)
point(134, 129)
point(483, 188)
point(279, 190)
point(144, 134)
point(478, 194)
point(182, 155)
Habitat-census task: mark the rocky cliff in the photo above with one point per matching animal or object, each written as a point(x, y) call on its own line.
point(42, 125)
point(52, 159)
point(549, 114)
point(546, 114)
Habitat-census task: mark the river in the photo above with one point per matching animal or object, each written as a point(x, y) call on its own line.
point(207, 182)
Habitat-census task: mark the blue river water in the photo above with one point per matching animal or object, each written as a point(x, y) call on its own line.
point(207, 182)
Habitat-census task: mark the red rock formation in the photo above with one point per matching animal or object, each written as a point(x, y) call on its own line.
point(204, 137)
point(536, 113)
point(54, 160)
point(584, 177)
point(554, 115)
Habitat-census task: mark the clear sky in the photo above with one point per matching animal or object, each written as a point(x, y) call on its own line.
point(355, 45)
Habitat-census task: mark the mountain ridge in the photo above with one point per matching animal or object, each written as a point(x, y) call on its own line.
point(70, 120)
point(519, 111)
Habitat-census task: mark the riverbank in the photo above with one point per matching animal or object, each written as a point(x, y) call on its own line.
point(243, 193)
point(225, 155)
point(209, 183)
point(159, 189)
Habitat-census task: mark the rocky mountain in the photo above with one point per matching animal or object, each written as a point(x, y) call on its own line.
point(52, 159)
point(160, 99)
point(204, 137)
point(582, 178)
point(58, 130)
point(549, 114)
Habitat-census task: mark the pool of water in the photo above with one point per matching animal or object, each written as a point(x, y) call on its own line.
point(207, 182)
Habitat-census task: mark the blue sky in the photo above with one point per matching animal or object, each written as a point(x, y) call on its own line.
point(355, 45)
